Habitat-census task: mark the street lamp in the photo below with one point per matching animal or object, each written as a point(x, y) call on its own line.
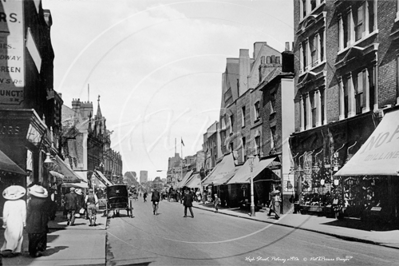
point(251, 178)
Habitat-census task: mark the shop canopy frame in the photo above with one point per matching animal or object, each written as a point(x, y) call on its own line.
point(195, 181)
point(185, 179)
point(244, 173)
point(379, 155)
point(222, 172)
point(69, 176)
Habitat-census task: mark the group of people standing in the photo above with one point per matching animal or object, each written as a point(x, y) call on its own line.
point(32, 215)
point(74, 202)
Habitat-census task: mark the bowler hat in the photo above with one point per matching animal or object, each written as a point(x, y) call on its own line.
point(14, 192)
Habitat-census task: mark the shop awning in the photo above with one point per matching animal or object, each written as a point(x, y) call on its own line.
point(244, 172)
point(379, 155)
point(224, 179)
point(185, 179)
point(100, 176)
point(69, 175)
point(224, 168)
point(8, 165)
point(79, 185)
point(194, 182)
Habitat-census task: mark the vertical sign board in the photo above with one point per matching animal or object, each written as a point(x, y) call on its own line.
point(11, 52)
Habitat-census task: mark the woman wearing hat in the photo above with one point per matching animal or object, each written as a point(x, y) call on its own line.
point(36, 220)
point(14, 215)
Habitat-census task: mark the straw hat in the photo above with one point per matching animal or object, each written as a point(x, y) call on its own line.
point(275, 192)
point(14, 192)
point(72, 189)
point(78, 191)
point(38, 191)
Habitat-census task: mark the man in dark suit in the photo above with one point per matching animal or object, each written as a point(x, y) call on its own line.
point(188, 199)
point(71, 204)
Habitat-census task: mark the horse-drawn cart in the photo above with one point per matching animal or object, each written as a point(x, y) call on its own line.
point(118, 199)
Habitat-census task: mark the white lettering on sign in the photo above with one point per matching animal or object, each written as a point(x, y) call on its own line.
point(12, 71)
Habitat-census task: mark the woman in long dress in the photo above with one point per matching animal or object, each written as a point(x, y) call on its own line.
point(36, 220)
point(14, 217)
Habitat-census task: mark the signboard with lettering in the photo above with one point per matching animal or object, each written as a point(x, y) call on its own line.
point(11, 53)
point(379, 155)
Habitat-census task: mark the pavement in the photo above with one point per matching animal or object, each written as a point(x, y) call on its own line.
point(348, 229)
point(67, 245)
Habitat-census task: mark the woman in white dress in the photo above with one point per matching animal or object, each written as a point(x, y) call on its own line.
point(14, 218)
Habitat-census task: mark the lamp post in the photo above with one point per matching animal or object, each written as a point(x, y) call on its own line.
point(251, 178)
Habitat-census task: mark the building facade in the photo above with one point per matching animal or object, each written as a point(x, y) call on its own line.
point(346, 60)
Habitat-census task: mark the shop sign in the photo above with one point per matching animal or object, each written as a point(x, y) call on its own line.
point(11, 53)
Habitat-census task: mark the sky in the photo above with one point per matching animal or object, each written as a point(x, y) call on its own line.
point(157, 65)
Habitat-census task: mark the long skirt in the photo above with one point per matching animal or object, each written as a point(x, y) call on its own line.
point(37, 242)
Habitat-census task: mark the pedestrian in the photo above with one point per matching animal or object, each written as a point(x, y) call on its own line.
point(36, 220)
point(188, 202)
point(80, 208)
point(155, 201)
point(275, 204)
point(71, 204)
point(91, 201)
point(216, 203)
point(145, 196)
point(14, 218)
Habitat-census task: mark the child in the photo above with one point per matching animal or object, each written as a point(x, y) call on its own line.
point(216, 203)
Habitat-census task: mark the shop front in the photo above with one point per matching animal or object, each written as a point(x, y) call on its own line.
point(318, 154)
point(21, 138)
point(370, 179)
point(264, 181)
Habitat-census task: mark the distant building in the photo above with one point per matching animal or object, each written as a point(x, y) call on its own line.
point(143, 176)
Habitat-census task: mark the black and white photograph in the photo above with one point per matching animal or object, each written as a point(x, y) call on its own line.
point(199, 132)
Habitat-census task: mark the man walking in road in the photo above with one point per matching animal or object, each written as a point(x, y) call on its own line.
point(188, 202)
point(71, 204)
point(155, 201)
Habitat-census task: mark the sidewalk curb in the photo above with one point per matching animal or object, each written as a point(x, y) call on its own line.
point(348, 238)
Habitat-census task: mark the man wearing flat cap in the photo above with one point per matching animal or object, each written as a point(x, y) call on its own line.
point(71, 204)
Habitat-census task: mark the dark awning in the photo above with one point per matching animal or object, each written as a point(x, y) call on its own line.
point(8, 165)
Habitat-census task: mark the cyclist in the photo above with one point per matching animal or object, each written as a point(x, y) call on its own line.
point(155, 201)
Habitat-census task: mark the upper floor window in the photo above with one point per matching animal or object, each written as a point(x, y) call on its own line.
point(272, 137)
point(243, 116)
point(313, 108)
point(231, 118)
point(244, 152)
point(256, 111)
point(272, 102)
point(357, 23)
point(312, 51)
point(257, 145)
